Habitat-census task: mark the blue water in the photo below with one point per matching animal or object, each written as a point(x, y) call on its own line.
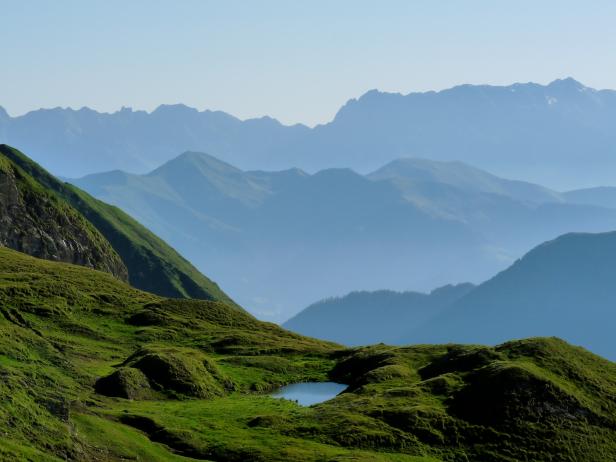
point(309, 393)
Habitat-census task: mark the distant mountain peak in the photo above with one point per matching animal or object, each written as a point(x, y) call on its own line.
point(385, 103)
point(563, 287)
point(198, 156)
point(195, 160)
point(423, 162)
point(338, 174)
point(420, 168)
point(568, 83)
point(375, 94)
point(525, 130)
point(174, 109)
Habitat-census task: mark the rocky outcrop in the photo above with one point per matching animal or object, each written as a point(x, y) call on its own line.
point(36, 222)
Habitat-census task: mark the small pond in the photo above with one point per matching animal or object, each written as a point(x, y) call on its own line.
point(309, 393)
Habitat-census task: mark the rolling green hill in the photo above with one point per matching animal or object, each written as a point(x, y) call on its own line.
point(95, 370)
point(152, 265)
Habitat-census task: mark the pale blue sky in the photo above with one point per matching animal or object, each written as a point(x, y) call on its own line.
point(298, 61)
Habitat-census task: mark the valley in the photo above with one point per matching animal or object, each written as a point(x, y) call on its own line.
point(421, 224)
point(94, 369)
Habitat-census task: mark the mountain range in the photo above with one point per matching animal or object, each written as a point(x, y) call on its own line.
point(382, 316)
point(411, 224)
point(96, 370)
point(565, 287)
point(561, 134)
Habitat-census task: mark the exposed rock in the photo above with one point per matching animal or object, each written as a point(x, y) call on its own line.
point(35, 222)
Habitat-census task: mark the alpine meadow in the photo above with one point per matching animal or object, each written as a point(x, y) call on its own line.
point(271, 231)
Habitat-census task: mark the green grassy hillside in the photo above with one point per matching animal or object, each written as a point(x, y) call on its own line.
point(152, 264)
point(95, 370)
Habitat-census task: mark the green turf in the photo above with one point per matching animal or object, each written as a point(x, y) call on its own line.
point(199, 372)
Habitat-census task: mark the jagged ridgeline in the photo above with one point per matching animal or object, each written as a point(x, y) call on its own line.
point(46, 218)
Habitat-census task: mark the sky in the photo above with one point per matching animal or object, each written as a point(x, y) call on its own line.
point(297, 61)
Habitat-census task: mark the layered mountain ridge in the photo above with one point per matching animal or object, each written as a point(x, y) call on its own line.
point(563, 287)
point(558, 134)
point(96, 370)
point(382, 316)
point(413, 224)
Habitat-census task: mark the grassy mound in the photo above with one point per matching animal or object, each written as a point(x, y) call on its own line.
point(535, 399)
point(181, 372)
point(506, 394)
point(125, 382)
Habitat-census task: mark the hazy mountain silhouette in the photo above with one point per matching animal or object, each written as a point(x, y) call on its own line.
point(278, 241)
point(561, 134)
point(269, 233)
point(77, 142)
point(361, 318)
point(412, 173)
point(565, 287)
point(602, 196)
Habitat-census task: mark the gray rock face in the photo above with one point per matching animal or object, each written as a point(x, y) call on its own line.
point(37, 223)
